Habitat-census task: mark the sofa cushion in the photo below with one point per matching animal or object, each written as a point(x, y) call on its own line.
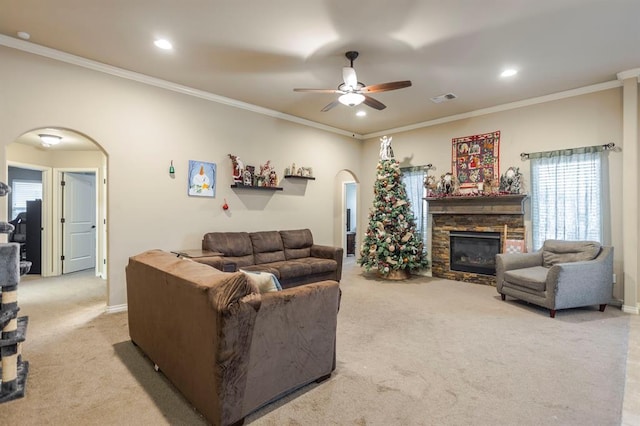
point(297, 243)
point(285, 269)
point(267, 247)
point(230, 244)
point(319, 266)
point(533, 278)
point(262, 282)
point(294, 269)
point(559, 251)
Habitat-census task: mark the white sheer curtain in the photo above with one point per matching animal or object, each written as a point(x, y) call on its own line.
point(413, 179)
point(566, 199)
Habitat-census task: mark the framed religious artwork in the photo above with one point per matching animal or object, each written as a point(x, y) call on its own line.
point(476, 159)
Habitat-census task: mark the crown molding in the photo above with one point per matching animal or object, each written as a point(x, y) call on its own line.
point(504, 107)
point(633, 73)
point(68, 58)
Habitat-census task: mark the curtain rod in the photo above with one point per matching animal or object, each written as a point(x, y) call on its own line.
point(417, 168)
point(606, 147)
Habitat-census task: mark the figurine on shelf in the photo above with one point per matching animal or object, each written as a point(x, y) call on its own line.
point(510, 181)
point(247, 178)
point(265, 174)
point(238, 168)
point(488, 186)
point(448, 184)
point(431, 185)
point(273, 178)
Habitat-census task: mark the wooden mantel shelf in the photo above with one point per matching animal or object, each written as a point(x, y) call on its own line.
point(497, 204)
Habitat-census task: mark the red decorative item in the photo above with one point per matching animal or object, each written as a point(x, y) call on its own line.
point(225, 206)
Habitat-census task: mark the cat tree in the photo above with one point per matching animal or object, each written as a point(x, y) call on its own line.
point(13, 370)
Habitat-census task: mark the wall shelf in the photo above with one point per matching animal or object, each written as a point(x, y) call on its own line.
point(259, 188)
point(299, 177)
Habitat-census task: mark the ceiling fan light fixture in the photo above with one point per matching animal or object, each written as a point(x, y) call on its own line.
point(49, 140)
point(351, 99)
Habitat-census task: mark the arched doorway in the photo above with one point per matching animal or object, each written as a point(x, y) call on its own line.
point(346, 208)
point(73, 154)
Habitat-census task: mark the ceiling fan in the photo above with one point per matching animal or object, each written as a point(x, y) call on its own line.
point(353, 93)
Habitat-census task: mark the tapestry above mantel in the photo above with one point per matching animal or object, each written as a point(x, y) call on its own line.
point(475, 159)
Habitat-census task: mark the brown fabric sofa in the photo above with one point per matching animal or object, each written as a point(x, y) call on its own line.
point(290, 255)
point(228, 349)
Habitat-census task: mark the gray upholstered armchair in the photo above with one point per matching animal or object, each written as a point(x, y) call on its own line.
point(563, 274)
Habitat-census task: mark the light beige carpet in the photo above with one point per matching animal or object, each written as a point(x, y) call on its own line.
point(422, 352)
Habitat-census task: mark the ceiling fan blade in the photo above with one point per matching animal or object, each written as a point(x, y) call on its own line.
point(331, 105)
point(349, 77)
point(383, 87)
point(373, 103)
point(318, 90)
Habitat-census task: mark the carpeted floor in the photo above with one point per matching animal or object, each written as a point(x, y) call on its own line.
point(422, 352)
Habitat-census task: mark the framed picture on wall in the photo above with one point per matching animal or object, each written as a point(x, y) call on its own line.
point(202, 179)
point(475, 159)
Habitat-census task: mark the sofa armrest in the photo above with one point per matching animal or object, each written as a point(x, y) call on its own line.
point(582, 283)
point(218, 262)
point(509, 261)
point(329, 252)
point(326, 252)
point(293, 340)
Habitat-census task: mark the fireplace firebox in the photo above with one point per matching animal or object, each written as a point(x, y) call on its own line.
point(472, 251)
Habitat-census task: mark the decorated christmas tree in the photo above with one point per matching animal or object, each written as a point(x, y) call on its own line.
point(391, 244)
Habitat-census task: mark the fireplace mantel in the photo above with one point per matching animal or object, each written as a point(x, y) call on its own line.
point(497, 204)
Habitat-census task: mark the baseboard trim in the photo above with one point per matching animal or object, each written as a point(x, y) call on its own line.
point(616, 302)
point(116, 308)
point(631, 309)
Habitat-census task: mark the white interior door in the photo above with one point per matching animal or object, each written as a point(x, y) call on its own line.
point(79, 227)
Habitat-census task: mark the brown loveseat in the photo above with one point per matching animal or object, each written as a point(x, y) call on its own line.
point(290, 255)
point(227, 348)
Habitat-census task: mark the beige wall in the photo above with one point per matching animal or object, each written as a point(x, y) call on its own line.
point(591, 119)
point(142, 128)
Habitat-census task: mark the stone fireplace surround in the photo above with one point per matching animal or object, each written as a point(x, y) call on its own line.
point(471, 213)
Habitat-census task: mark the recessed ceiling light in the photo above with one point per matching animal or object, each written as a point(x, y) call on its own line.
point(24, 35)
point(510, 72)
point(163, 44)
point(361, 113)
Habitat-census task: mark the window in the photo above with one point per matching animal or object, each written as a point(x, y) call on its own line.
point(21, 192)
point(566, 197)
point(413, 179)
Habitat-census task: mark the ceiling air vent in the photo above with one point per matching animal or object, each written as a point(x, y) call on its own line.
point(443, 98)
